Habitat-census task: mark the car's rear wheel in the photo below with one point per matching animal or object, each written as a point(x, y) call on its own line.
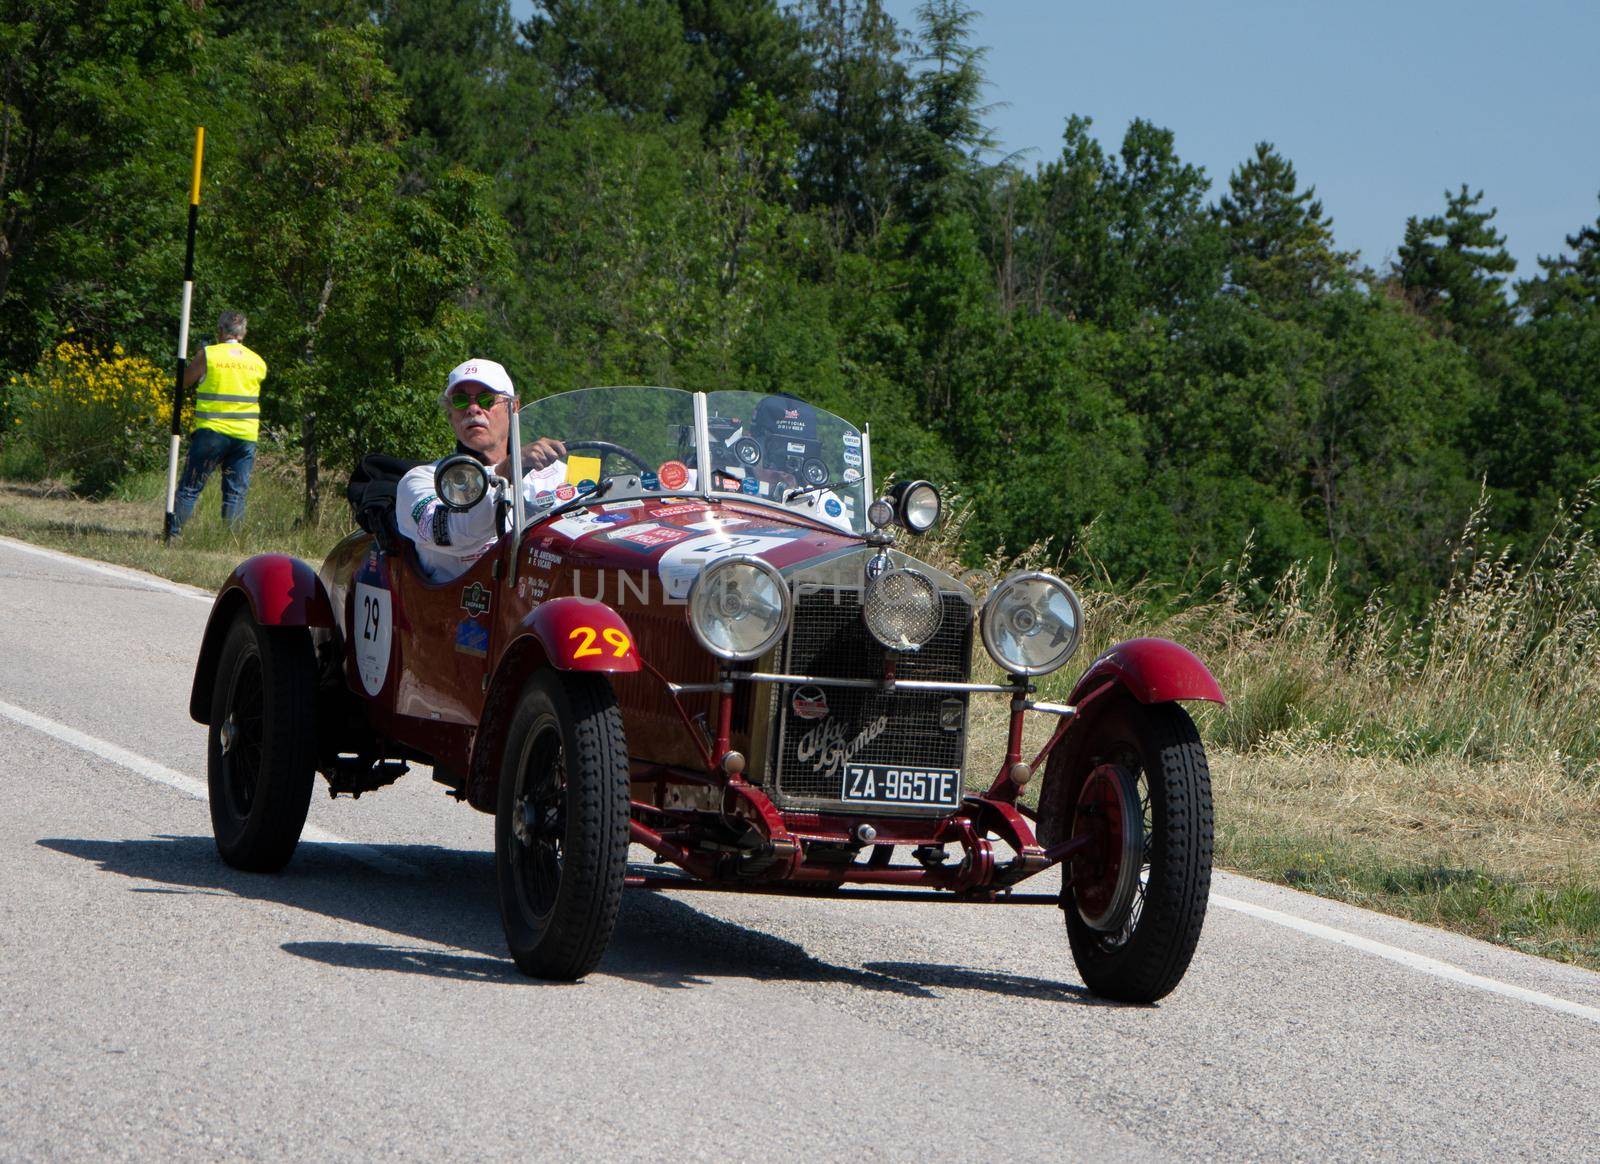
point(561, 824)
point(260, 758)
point(1135, 899)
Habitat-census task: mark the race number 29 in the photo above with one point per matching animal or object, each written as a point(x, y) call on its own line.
point(585, 637)
point(372, 608)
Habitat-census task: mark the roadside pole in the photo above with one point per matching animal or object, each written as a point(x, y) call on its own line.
point(183, 337)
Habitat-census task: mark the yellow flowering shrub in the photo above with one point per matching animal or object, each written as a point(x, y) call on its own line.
point(93, 416)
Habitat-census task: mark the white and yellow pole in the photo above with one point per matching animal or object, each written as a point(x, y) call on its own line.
point(183, 335)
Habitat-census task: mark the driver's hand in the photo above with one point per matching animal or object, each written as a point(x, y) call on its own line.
point(542, 453)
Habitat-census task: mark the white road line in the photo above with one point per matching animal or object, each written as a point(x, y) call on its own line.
point(188, 785)
point(1406, 958)
point(121, 573)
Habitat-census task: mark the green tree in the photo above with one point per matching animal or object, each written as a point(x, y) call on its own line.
point(1453, 269)
point(96, 130)
point(1280, 244)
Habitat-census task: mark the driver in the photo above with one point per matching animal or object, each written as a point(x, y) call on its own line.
point(477, 400)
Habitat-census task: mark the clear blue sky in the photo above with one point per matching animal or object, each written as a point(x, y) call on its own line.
point(1383, 105)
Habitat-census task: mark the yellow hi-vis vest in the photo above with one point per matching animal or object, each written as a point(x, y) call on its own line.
point(228, 397)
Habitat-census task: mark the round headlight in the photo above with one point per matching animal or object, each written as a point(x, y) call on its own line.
point(919, 507)
point(1031, 623)
point(739, 608)
point(880, 513)
point(460, 481)
point(902, 609)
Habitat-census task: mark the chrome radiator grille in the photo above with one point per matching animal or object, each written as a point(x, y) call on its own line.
point(928, 728)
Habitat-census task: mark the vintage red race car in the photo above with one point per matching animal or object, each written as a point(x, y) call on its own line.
point(708, 641)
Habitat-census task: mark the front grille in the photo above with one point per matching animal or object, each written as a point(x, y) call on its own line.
point(828, 639)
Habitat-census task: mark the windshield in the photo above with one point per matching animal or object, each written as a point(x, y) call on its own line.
point(788, 451)
point(639, 442)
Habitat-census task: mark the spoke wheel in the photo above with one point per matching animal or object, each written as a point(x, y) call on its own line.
point(1135, 898)
point(260, 762)
point(561, 824)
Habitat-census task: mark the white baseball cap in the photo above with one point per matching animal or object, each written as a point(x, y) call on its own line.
point(491, 375)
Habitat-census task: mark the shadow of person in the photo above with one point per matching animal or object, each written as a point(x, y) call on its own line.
point(659, 940)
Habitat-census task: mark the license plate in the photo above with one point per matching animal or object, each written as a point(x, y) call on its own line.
point(894, 784)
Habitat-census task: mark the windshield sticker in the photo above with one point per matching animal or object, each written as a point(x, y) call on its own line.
point(565, 492)
point(673, 475)
point(852, 474)
point(794, 447)
point(475, 599)
point(374, 633)
point(682, 563)
point(852, 458)
point(832, 507)
point(472, 638)
point(851, 440)
point(751, 485)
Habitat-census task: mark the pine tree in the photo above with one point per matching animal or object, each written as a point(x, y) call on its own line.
point(951, 134)
point(1280, 244)
point(1453, 270)
point(1570, 284)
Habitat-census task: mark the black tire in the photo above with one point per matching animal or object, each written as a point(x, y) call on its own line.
point(561, 824)
point(261, 752)
point(1139, 952)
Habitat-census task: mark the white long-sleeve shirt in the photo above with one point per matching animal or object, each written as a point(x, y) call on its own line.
point(449, 541)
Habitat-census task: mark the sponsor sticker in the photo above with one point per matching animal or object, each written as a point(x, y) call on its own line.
point(852, 458)
point(475, 599)
point(681, 564)
point(750, 485)
point(616, 505)
point(809, 703)
point(832, 507)
point(565, 492)
point(852, 474)
point(674, 510)
point(649, 481)
point(472, 638)
point(673, 475)
point(851, 440)
point(587, 485)
point(795, 447)
point(649, 535)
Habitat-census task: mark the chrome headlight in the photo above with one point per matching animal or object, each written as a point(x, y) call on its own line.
point(917, 505)
point(739, 608)
point(902, 609)
point(1031, 623)
point(460, 481)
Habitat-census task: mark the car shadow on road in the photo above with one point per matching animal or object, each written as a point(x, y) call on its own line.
point(450, 901)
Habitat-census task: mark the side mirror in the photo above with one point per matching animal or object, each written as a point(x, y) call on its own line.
point(460, 481)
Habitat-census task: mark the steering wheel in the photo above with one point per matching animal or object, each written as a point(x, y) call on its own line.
point(605, 447)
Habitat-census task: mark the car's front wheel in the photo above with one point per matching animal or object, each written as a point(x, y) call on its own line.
point(260, 756)
point(1135, 898)
point(561, 824)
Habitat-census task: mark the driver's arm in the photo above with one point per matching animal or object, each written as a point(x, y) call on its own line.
point(427, 521)
point(539, 454)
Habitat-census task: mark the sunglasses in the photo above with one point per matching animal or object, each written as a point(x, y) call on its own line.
point(485, 400)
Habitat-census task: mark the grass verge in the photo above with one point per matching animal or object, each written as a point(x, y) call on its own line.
point(1443, 771)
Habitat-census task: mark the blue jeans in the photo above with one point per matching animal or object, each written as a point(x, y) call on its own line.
point(209, 448)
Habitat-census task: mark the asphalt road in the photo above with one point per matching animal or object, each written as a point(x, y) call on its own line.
point(154, 1002)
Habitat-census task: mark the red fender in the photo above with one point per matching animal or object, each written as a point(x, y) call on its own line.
point(582, 634)
point(1152, 671)
point(279, 590)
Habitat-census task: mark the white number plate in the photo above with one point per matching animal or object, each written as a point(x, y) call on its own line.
point(892, 784)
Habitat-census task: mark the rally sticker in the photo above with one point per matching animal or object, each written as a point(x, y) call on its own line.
point(649, 535)
point(565, 492)
point(852, 474)
point(472, 638)
point(852, 458)
point(616, 505)
point(832, 507)
point(374, 635)
point(851, 440)
point(673, 475)
point(475, 599)
point(682, 563)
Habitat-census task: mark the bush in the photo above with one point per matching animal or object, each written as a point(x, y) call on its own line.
point(92, 417)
